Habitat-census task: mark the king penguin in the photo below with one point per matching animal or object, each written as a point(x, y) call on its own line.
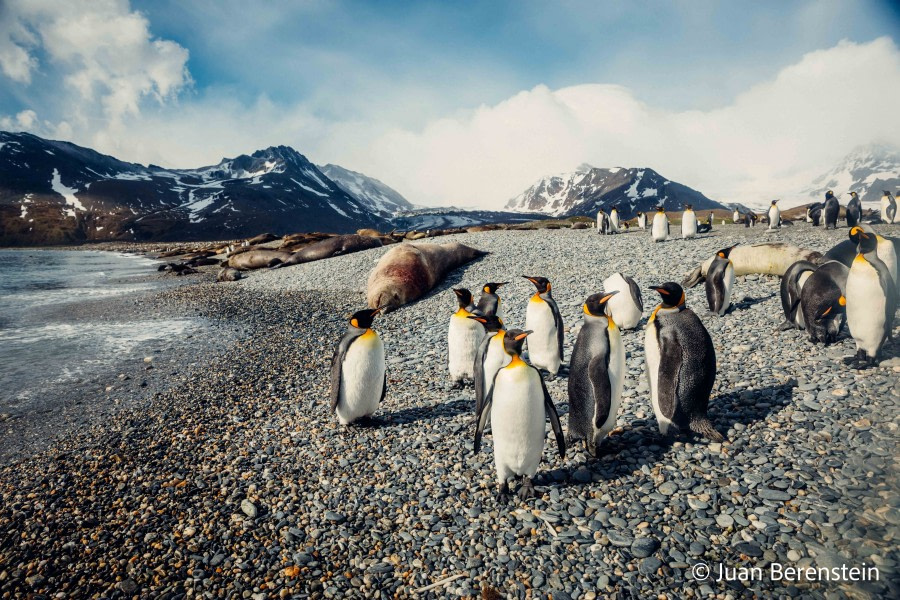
point(720, 282)
point(707, 226)
point(614, 219)
point(660, 229)
point(830, 210)
point(774, 215)
point(463, 339)
point(871, 301)
point(603, 226)
point(791, 289)
point(518, 406)
point(627, 307)
point(854, 210)
point(358, 372)
point(489, 303)
point(736, 217)
point(688, 222)
point(542, 318)
point(888, 208)
point(597, 375)
point(642, 220)
point(823, 289)
point(681, 365)
point(489, 358)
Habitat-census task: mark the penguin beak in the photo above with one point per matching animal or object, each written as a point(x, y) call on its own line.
point(523, 335)
point(481, 320)
point(608, 296)
point(502, 283)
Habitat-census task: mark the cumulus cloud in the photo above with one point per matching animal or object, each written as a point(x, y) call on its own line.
point(769, 142)
point(103, 53)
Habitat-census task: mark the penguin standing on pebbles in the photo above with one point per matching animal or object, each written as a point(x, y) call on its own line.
point(596, 376)
point(489, 358)
point(774, 215)
point(603, 225)
point(791, 288)
point(358, 372)
point(720, 282)
point(518, 406)
point(831, 209)
point(463, 339)
point(660, 228)
point(688, 222)
point(614, 219)
point(627, 307)
point(642, 220)
point(854, 210)
point(681, 365)
point(489, 303)
point(542, 318)
point(871, 301)
point(888, 208)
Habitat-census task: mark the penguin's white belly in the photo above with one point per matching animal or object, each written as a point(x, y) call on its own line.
point(688, 225)
point(625, 311)
point(616, 373)
point(888, 255)
point(642, 222)
point(728, 285)
point(517, 422)
point(362, 379)
point(543, 347)
point(735, 216)
point(614, 221)
point(653, 358)
point(774, 215)
point(660, 228)
point(798, 317)
point(463, 339)
point(495, 358)
point(865, 306)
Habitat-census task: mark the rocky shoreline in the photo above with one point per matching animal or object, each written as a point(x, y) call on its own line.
point(237, 482)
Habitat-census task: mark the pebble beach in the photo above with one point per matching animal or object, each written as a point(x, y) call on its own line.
point(236, 481)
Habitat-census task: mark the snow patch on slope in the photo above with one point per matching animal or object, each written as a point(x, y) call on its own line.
point(67, 193)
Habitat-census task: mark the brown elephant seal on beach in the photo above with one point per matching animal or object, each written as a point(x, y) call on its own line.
point(764, 259)
point(257, 259)
point(336, 246)
point(409, 271)
point(263, 238)
point(229, 274)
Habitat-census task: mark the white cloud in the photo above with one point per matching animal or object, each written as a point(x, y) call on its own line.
point(102, 51)
point(769, 142)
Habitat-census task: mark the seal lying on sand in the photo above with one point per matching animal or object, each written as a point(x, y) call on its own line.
point(765, 259)
point(229, 274)
point(335, 246)
point(256, 259)
point(409, 271)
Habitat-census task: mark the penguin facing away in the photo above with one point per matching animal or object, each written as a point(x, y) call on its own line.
point(720, 282)
point(854, 210)
point(831, 209)
point(774, 215)
point(490, 357)
point(681, 365)
point(518, 406)
point(791, 287)
point(596, 376)
point(358, 372)
point(627, 307)
point(660, 229)
point(688, 222)
point(888, 208)
point(463, 337)
point(489, 303)
point(542, 318)
point(823, 289)
point(871, 302)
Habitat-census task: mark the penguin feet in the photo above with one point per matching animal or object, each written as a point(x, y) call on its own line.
point(503, 493)
point(526, 491)
point(786, 326)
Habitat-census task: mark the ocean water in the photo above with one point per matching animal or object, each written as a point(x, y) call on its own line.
point(49, 339)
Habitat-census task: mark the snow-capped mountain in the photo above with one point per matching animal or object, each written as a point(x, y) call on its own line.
point(57, 192)
point(378, 198)
point(867, 170)
point(588, 189)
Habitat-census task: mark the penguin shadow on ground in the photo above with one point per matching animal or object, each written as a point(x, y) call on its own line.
point(437, 410)
point(641, 443)
point(746, 302)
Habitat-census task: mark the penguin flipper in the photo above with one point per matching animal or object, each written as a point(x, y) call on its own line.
point(598, 375)
point(337, 362)
point(557, 319)
point(670, 361)
point(383, 388)
point(479, 372)
point(554, 419)
point(482, 419)
point(635, 293)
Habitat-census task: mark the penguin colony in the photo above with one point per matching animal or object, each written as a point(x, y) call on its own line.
point(855, 283)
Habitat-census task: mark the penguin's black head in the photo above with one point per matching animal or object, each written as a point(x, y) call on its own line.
point(688, 207)
point(724, 252)
point(513, 340)
point(774, 202)
point(885, 193)
point(492, 323)
point(854, 233)
point(829, 194)
point(853, 194)
point(491, 288)
point(835, 308)
point(866, 242)
point(541, 283)
point(463, 296)
point(595, 305)
point(639, 213)
point(363, 319)
point(660, 209)
point(672, 294)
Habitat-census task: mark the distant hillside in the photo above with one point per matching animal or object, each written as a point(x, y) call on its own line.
point(867, 170)
point(378, 198)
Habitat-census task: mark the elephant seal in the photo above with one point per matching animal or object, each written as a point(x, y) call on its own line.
point(766, 259)
point(409, 271)
point(229, 274)
point(257, 259)
point(335, 246)
point(262, 238)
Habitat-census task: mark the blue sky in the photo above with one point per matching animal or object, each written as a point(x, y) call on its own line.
point(397, 89)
